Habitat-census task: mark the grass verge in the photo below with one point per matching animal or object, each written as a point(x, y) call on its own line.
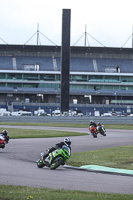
point(23, 193)
point(15, 133)
point(82, 125)
point(118, 157)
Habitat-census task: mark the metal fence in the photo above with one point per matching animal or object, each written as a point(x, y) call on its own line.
point(63, 119)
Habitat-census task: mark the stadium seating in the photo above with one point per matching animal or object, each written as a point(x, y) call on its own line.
point(6, 63)
point(6, 89)
point(81, 64)
point(36, 90)
point(44, 63)
point(125, 65)
point(76, 64)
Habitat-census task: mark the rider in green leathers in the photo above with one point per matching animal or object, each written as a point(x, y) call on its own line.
point(67, 142)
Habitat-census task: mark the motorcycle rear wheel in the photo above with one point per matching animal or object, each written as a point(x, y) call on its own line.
point(103, 133)
point(56, 162)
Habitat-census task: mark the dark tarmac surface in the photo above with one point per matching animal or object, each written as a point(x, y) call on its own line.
point(18, 163)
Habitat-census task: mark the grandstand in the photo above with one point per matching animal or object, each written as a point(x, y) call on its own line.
point(98, 76)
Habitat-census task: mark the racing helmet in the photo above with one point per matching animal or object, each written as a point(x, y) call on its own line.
point(67, 141)
point(5, 132)
point(99, 124)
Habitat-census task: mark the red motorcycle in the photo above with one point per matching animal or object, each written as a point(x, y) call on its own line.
point(93, 131)
point(2, 142)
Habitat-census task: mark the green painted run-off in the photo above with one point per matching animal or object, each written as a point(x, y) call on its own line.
point(107, 169)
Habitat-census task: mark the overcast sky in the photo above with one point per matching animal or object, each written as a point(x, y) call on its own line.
point(110, 22)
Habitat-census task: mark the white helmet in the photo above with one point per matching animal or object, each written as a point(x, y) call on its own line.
point(5, 132)
point(67, 141)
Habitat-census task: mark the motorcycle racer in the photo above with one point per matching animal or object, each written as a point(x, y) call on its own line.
point(101, 129)
point(5, 135)
point(93, 128)
point(67, 142)
point(93, 123)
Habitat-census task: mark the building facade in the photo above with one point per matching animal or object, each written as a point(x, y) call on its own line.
point(98, 75)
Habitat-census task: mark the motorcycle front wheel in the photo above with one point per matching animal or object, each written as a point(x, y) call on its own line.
point(56, 162)
point(40, 164)
point(2, 146)
point(94, 135)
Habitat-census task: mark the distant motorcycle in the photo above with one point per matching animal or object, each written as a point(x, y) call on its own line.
point(101, 130)
point(55, 159)
point(2, 142)
point(93, 131)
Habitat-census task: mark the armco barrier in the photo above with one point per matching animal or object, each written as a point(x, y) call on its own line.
point(62, 119)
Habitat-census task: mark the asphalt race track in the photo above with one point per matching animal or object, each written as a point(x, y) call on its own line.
point(18, 164)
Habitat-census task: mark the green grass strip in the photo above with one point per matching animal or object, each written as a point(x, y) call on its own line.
point(23, 193)
point(82, 125)
point(15, 133)
point(118, 157)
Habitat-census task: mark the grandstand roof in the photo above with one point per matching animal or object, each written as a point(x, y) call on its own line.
point(74, 49)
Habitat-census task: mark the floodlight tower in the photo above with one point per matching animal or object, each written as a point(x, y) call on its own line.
point(132, 37)
point(65, 61)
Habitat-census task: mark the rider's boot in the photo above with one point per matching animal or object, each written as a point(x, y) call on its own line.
point(44, 155)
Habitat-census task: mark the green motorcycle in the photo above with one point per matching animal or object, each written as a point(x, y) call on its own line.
point(101, 130)
point(55, 159)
